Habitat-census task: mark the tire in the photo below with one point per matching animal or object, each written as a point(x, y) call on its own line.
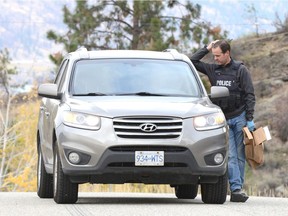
point(64, 190)
point(44, 180)
point(215, 193)
point(186, 191)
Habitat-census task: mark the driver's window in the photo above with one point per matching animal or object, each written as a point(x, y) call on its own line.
point(60, 72)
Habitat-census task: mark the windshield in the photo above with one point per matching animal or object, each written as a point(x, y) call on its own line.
point(143, 77)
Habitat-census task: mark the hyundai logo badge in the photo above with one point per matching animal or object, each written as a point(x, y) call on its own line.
point(148, 127)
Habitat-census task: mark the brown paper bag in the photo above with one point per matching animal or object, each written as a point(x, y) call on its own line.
point(254, 146)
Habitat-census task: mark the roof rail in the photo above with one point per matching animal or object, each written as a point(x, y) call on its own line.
point(81, 49)
point(83, 52)
point(176, 55)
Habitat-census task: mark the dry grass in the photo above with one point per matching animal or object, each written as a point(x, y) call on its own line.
point(133, 188)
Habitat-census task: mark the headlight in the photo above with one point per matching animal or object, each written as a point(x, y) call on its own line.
point(81, 120)
point(208, 122)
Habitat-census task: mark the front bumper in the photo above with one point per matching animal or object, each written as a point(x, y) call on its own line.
point(187, 158)
point(119, 167)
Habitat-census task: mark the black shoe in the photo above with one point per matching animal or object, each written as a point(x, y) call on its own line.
point(238, 196)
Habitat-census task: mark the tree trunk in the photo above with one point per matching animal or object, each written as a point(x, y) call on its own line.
point(5, 122)
point(136, 28)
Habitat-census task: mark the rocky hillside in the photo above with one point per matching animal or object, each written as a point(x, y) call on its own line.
point(267, 59)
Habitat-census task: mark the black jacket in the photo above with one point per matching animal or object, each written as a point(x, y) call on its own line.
point(236, 77)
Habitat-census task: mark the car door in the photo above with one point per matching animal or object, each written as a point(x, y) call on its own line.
point(47, 109)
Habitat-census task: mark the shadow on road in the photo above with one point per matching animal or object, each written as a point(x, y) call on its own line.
point(136, 200)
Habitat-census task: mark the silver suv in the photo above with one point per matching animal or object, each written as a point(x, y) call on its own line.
point(118, 117)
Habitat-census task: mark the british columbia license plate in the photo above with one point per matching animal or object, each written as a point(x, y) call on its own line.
point(149, 158)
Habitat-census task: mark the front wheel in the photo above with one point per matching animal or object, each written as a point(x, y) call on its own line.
point(215, 193)
point(186, 191)
point(44, 180)
point(64, 190)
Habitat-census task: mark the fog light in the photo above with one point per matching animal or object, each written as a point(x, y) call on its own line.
point(74, 157)
point(218, 158)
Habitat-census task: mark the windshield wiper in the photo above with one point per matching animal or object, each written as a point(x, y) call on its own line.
point(125, 94)
point(142, 94)
point(91, 94)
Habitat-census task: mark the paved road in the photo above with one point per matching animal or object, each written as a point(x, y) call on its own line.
point(118, 204)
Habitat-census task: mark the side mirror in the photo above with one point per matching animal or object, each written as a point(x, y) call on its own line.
point(49, 90)
point(219, 92)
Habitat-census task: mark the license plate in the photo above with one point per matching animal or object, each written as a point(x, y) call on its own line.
point(149, 158)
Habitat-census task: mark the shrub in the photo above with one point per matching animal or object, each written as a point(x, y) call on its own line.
point(282, 118)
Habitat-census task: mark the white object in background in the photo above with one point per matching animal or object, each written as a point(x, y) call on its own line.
point(267, 133)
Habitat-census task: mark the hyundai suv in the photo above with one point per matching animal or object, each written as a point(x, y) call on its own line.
point(127, 116)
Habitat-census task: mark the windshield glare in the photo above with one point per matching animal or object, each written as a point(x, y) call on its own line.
point(131, 76)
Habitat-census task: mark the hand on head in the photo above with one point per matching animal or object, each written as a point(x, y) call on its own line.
point(209, 47)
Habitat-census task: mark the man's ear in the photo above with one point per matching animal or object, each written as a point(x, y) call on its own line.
point(227, 53)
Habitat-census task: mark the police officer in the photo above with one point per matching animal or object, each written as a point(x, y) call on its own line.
point(238, 108)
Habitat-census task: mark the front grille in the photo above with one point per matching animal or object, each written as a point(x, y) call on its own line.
point(131, 164)
point(147, 148)
point(130, 127)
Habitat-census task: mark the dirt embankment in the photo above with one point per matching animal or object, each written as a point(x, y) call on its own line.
point(267, 59)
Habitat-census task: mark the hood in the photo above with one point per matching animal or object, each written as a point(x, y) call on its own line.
point(116, 106)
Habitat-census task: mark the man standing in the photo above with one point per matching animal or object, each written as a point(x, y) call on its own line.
point(238, 110)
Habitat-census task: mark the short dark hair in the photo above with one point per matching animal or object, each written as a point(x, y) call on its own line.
point(223, 44)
